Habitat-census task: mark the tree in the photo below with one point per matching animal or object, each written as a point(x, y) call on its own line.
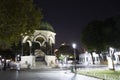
point(93, 38)
point(16, 17)
point(112, 31)
point(100, 35)
point(67, 51)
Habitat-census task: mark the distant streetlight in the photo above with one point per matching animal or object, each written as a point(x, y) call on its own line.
point(74, 47)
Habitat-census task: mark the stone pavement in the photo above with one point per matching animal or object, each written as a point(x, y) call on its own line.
point(42, 75)
point(40, 65)
point(80, 77)
point(65, 74)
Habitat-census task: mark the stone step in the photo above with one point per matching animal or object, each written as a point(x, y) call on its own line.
point(40, 65)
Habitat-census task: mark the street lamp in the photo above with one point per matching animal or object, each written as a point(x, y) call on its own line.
point(22, 43)
point(74, 47)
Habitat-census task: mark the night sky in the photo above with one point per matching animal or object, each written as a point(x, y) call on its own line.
point(69, 17)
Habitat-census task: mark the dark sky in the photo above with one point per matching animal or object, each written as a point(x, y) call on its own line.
point(69, 17)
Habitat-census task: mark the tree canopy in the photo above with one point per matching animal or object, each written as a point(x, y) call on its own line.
point(99, 35)
point(67, 50)
point(92, 36)
point(16, 17)
point(112, 31)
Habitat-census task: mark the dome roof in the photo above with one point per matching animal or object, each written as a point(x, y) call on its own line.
point(45, 26)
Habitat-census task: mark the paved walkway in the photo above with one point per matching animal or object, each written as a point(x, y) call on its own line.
point(42, 72)
point(65, 74)
point(80, 77)
point(42, 75)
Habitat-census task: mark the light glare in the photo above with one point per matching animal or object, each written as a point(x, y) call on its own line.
point(74, 45)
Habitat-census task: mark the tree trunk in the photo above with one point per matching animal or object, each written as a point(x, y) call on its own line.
point(93, 61)
point(111, 52)
point(112, 57)
point(99, 57)
point(98, 52)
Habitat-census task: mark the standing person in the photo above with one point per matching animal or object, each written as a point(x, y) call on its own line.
point(0, 65)
point(4, 64)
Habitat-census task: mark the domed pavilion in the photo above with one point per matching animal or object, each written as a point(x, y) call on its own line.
point(43, 39)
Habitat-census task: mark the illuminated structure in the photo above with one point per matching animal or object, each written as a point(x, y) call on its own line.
point(43, 39)
point(86, 58)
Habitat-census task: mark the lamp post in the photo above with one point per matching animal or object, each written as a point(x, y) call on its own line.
point(74, 47)
point(22, 48)
point(22, 43)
